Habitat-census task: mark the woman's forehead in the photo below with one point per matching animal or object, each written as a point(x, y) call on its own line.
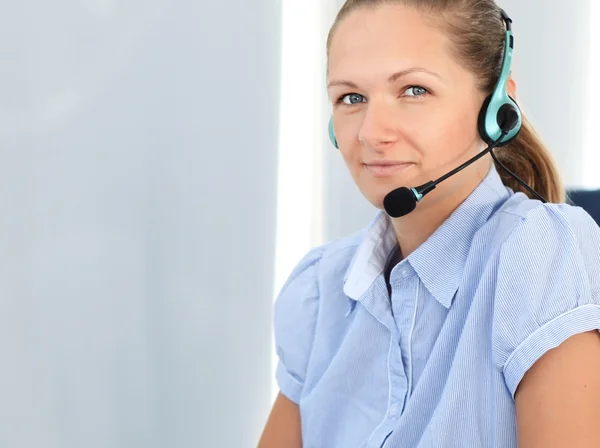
point(381, 40)
point(386, 34)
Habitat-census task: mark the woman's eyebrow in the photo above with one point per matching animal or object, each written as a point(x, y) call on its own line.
point(394, 77)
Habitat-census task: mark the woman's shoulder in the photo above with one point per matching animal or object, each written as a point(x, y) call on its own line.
point(526, 239)
point(520, 205)
point(549, 247)
point(323, 261)
point(521, 217)
point(333, 255)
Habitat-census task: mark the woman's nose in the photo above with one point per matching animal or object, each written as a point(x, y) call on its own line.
point(378, 129)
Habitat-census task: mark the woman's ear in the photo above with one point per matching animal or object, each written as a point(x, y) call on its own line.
point(511, 87)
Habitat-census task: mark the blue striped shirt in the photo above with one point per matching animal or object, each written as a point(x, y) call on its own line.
point(436, 363)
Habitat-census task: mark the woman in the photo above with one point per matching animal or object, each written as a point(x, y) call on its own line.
point(471, 321)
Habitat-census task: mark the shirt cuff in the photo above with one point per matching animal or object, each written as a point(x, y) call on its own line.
point(288, 385)
point(549, 336)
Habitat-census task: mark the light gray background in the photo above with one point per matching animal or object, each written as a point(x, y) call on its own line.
point(138, 146)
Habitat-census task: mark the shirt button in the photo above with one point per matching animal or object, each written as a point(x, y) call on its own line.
point(393, 410)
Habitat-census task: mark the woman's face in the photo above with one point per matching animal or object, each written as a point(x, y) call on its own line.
point(399, 97)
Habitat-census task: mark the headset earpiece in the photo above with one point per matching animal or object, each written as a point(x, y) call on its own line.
point(491, 118)
point(494, 110)
point(332, 134)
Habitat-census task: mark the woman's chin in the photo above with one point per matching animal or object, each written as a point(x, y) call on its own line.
point(376, 196)
point(376, 190)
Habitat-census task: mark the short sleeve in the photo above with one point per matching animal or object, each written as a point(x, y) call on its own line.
point(295, 317)
point(547, 287)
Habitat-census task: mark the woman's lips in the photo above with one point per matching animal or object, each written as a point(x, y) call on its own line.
point(383, 170)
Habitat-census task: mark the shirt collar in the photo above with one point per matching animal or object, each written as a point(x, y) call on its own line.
point(440, 260)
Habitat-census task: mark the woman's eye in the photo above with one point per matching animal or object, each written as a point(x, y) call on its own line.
point(417, 91)
point(351, 98)
point(355, 98)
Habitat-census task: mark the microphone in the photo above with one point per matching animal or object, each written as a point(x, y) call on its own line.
point(403, 200)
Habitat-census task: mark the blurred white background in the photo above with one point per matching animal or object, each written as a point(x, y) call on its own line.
point(164, 165)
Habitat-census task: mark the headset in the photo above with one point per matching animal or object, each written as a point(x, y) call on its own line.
point(499, 122)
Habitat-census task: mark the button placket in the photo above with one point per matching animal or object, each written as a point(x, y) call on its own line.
point(403, 305)
point(399, 383)
point(398, 388)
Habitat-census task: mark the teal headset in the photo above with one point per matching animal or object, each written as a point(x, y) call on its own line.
point(495, 106)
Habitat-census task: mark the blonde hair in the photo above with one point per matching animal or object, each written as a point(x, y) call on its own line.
point(476, 30)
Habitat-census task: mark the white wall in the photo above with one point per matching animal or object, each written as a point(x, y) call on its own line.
point(551, 68)
point(138, 146)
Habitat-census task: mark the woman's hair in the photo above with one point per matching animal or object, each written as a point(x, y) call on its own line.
point(476, 31)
